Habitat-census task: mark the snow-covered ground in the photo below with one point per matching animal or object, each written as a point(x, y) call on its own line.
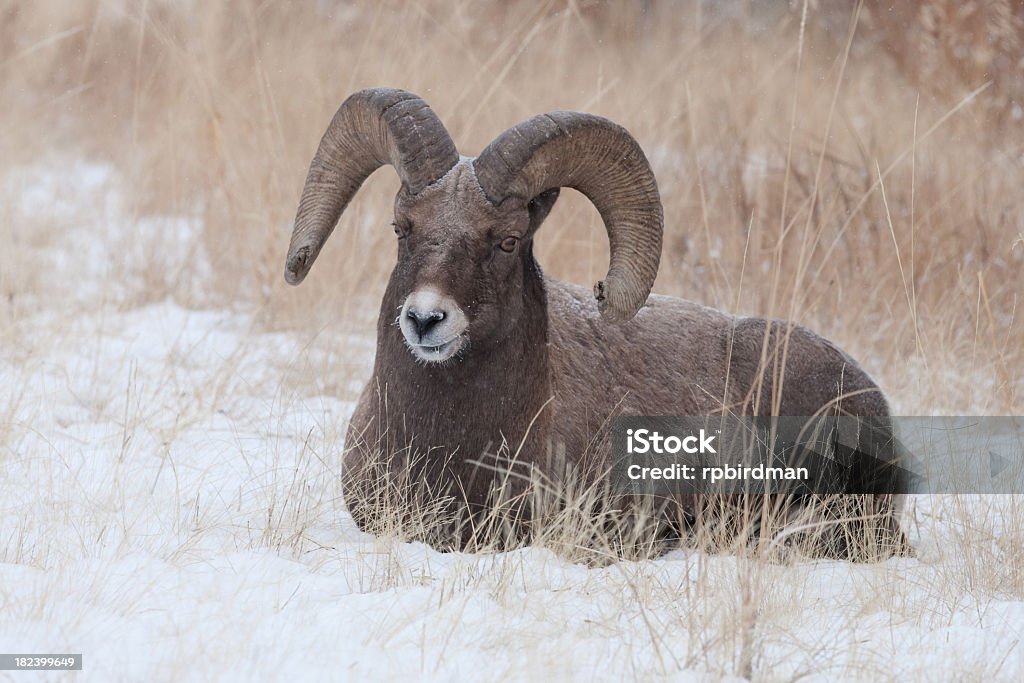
point(169, 508)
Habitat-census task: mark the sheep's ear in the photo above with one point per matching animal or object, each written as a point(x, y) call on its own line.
point(540, 206)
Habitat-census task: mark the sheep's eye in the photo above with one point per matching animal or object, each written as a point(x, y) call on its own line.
point(399, 232)
point(509, 244)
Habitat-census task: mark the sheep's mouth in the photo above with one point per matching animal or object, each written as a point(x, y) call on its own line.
point(437, 353)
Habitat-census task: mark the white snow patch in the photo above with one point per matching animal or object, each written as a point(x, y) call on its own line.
point(81, 232)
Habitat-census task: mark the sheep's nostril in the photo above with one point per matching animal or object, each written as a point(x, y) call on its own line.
point(425, 321)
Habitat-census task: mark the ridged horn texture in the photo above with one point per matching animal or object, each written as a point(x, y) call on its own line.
point(371, 128)
point(603, 161)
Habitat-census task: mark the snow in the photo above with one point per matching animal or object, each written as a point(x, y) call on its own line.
point(170, 508)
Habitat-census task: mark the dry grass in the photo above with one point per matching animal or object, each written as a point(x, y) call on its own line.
point(405, 491)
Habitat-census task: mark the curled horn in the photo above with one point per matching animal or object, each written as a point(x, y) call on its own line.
point(603, 161)
point(370, 129)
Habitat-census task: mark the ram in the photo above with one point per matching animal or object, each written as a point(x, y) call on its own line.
point(477, 350)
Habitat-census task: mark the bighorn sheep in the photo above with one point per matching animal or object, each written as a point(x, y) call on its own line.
point(487, 350)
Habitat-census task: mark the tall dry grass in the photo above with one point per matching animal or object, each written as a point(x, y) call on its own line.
point(805, 173)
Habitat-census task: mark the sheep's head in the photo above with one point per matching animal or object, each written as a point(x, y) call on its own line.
point(465, 227)
point(462, 263)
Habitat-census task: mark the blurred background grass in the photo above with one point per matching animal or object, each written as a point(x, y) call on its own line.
point(857, 167)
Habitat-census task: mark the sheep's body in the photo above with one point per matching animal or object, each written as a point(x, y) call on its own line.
point(555, 391)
